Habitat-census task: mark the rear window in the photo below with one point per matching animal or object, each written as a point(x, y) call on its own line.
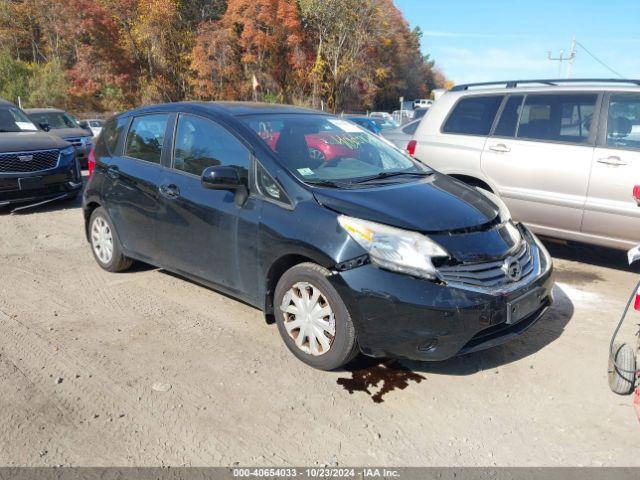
point(559, 118)
point(473, 115)
point(146, 137)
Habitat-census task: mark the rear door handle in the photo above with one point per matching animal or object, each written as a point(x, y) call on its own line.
point(113, 171)
point(501, 147)
point(169, 191)
point(614, 161)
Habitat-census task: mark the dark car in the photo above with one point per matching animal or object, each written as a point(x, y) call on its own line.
point(370, 251)
point(35, 166)
point(365, 122)
point(64, 125)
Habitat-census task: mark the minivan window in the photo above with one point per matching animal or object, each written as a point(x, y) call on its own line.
point(146, 137)
point(508, 122)
point(623, 122)
point(473, 115)
point(201, 143)
point(560, 118)
point(319, 148)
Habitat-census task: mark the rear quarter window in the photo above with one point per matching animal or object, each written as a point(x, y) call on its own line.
point(473, 115)
point(108, 139)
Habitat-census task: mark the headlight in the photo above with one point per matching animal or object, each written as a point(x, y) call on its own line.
point(67, 151)
point(505, 214)
point(393, 248)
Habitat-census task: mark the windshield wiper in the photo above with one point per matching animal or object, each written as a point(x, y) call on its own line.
point(328, 183)
point(383, 175)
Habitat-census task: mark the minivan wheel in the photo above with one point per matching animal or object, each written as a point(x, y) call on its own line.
point(105, 244)
point(312, 318)
point(622, 381)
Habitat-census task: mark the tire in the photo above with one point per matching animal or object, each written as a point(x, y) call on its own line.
point(621, 382)
point(116, 261)
point(306, 279)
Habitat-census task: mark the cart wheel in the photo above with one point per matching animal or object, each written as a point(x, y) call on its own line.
point(621, 382)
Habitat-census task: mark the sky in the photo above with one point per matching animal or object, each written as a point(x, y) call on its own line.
point(475, 41)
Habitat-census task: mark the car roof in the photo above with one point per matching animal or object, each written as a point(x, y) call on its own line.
point(235, 109)
point(43, 110)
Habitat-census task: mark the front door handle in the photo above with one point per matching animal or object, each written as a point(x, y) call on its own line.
point(169, 191)
point(614, 161)
point(501, 147)
point(113, 171)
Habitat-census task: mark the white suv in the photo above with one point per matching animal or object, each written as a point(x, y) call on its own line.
point(563, 155)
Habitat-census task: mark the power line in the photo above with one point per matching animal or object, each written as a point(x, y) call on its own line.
point(600, 61)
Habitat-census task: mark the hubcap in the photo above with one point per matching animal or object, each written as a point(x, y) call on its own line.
point(102, 240)
point(308, 318)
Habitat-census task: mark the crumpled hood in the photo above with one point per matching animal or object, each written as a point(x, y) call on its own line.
point(29, 141)
point(436, 204)
point(70, 132)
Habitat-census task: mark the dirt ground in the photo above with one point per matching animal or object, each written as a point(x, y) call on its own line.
point(145, 368)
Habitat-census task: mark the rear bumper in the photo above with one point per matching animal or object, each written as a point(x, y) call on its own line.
point(63, 181)
point(403, 317)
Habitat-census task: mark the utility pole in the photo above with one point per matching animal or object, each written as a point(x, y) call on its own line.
point(562, 58)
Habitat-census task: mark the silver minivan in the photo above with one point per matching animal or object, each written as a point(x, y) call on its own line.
point(563, 155)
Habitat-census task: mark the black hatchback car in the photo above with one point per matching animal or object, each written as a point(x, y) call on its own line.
point(361, 248)
point(35, 167)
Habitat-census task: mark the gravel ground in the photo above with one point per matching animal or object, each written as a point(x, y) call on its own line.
point(145, 368)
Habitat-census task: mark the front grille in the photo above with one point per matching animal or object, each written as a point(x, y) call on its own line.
point(489, 274)
point(26, 162)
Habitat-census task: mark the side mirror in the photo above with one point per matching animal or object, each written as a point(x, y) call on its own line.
point(44, 126)
point(84, 124)
point(223, 177)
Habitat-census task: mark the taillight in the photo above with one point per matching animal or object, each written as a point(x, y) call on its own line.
point(636, 304)
point(636, 193)
point(411, 147)
point(91, 162)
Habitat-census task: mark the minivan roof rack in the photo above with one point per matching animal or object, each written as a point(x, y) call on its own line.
point(553, 82)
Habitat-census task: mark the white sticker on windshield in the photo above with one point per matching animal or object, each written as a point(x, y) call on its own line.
point(345, 126)
point(26, 126)
point(305, 171)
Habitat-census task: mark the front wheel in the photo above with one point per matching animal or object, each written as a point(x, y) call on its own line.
point(312, 318)
point(621, 378)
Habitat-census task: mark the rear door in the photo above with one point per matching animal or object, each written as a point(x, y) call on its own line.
point(203, 232)
point(611, 211)
point(539, 158)
point(457, 144)
point(132, 181)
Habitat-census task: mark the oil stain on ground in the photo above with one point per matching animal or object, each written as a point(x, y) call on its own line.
point(576, 277)
point(385, 377)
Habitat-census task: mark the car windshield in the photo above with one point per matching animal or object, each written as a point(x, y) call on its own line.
point(55, 119)
point(14, 120)
point(322, 149)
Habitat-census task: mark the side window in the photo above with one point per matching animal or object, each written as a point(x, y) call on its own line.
point(201, 143)
point(473, 115)
point(146, 137)
point(623, 122)
point(108, 139)
point(508, 122)
point(267, 185)
point(411, 128)
point(561, 118)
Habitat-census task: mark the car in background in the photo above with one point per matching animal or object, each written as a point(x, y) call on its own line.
point(380, 115)
point(365, 122)
point(563, 155)
point(35, 166)
point(422, 103)
point(401, 136)
point(402, 116)
point(64, 125)
point(371, 251)
point(385, 123)
point(95, 125)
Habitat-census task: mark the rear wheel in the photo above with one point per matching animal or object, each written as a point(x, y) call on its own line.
point(312, 318)
point(105, 244)
point(621, 381)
